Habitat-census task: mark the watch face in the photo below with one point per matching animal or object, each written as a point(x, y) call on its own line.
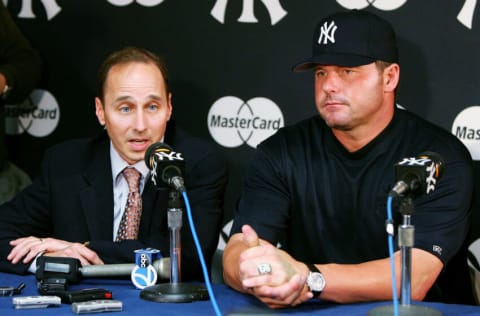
point(316, 281)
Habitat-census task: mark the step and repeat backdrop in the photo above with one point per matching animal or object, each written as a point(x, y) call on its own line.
point(231, 60)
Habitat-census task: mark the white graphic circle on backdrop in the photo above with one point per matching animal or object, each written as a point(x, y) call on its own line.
point(145, 3)
point(233, 122)
point(39, 119)
point(466, 127)
point(386, 5)
point(44, 119)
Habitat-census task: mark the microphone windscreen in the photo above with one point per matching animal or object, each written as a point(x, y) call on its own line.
point(152, 150)
point(437, 160)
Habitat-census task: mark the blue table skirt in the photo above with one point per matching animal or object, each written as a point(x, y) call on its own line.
point(230, 302)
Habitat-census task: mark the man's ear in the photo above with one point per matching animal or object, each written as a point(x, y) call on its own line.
point(99, 111)
point(391, 77)
point(169, 104)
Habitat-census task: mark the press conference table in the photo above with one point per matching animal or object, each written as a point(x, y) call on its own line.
point(229, 301)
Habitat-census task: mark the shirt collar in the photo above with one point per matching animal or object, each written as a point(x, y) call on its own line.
point(118, 164)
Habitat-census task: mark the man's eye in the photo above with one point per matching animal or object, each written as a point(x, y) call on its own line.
point(153, 107)
point(124, 109)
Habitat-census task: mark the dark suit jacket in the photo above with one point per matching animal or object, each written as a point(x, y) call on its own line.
point(72, 200)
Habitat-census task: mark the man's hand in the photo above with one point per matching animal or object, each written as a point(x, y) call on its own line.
point(284, 286)
point(25, 249)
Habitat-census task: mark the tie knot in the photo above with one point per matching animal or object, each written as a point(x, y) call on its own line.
point(132, 176)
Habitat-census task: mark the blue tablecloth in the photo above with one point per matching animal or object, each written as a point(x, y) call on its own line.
point(229, 301)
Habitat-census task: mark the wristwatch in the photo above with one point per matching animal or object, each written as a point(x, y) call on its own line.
point(315, 280)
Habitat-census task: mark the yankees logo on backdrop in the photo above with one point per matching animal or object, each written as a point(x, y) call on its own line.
point(274, 8)
point(26, 11)
point(465, 16)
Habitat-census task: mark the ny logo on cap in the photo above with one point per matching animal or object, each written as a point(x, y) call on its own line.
point(327, 33)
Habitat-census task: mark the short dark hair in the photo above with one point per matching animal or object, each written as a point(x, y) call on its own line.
point(382, 65)
point(128, 55)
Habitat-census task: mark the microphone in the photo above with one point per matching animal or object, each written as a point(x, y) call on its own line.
point(417, 175)
point(162, 266)
point(167, 166)
point(71, 270)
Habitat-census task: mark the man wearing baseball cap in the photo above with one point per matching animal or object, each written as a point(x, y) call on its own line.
point(310, 222)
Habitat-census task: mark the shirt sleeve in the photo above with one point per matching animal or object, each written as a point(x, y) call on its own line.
point(265, 200)
point(441, 219)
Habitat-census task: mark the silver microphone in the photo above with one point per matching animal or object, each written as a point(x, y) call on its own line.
point(162, 266)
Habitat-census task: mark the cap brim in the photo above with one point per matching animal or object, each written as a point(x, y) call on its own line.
point(345, 60)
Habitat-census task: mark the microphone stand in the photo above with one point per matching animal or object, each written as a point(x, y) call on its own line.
point(406, 237)
point(175, 291)
point(175, 216)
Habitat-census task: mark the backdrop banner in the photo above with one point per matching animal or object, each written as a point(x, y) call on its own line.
point(230, 67)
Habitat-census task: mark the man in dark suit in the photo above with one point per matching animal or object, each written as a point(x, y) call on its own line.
point(74, 208)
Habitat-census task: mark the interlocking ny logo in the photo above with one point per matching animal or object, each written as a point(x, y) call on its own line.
point(431, 178)
point(414, 161)
point(465, 16)
point(327, 33)
point(274, 8)
point(26, 11)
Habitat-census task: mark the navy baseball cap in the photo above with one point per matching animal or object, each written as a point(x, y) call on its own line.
point(352, 38)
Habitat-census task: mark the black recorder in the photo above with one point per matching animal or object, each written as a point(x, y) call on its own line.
point(84, 295)
point(58, 268)
point(54, 274)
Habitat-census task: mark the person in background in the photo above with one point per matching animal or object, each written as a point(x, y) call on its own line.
point(94, 200)
point(20, 70)
point(310, 222)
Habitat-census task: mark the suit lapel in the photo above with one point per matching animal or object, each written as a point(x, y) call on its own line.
point(151, 198)
point(97, 195)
